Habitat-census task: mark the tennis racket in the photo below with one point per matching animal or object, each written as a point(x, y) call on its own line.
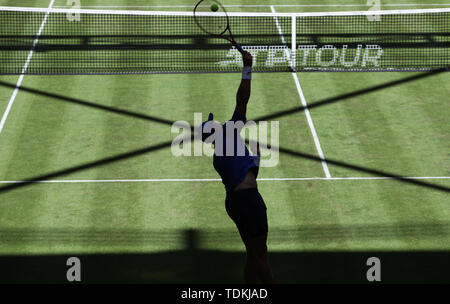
point(215, 23)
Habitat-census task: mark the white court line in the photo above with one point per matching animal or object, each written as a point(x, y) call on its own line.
point(219, 180)
point(255, 5)
point(25, 67)
point(305, 106)
point(234, 14)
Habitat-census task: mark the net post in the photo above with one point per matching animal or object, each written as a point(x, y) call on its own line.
point(294, 43)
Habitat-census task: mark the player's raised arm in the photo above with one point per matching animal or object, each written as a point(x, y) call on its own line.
point(243, 94)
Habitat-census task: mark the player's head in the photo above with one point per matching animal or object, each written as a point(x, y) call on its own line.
point(210, 130)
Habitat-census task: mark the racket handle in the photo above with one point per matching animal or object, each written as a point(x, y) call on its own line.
point(239, 47)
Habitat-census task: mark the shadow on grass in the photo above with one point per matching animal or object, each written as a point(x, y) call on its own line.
point(219, 267)
point(195, 265)
point(165, 145)
point(320, 234)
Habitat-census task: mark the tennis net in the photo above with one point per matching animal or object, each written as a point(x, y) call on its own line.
point(68, 41)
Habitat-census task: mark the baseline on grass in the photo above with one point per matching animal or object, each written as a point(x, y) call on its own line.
point(157, 180)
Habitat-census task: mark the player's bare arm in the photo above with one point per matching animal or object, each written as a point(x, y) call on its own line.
point(242, 98)
point(243, 94)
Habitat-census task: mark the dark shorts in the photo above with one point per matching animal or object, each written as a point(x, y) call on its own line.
point(248, 211)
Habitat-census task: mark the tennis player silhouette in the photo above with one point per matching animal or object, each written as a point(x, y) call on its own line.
point(239, 170)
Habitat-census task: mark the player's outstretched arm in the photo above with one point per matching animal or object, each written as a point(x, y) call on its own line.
point(243, 94)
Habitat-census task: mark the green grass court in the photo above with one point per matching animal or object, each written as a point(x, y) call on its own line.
point(136, 209)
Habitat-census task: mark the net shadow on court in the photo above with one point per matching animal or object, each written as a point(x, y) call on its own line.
point(164, 145)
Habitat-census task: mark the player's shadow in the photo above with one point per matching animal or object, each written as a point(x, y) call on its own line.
point(192, 264)
point(145, 117)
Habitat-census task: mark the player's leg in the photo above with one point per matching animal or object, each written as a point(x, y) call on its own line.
point(234, 207)
point(250, 271)
point(258, 259)
point(248, 210)
point(255, 229)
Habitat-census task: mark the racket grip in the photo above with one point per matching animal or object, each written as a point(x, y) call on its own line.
point(239, 47)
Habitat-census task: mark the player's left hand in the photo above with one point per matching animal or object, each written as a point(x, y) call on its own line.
point(248, 59)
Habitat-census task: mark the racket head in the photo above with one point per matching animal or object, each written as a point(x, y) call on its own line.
point(213, 23)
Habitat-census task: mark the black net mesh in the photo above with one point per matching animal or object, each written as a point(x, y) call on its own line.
point(388, 42)
point(110, 43)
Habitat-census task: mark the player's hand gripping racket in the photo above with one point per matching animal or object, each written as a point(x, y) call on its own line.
point(216, 22)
